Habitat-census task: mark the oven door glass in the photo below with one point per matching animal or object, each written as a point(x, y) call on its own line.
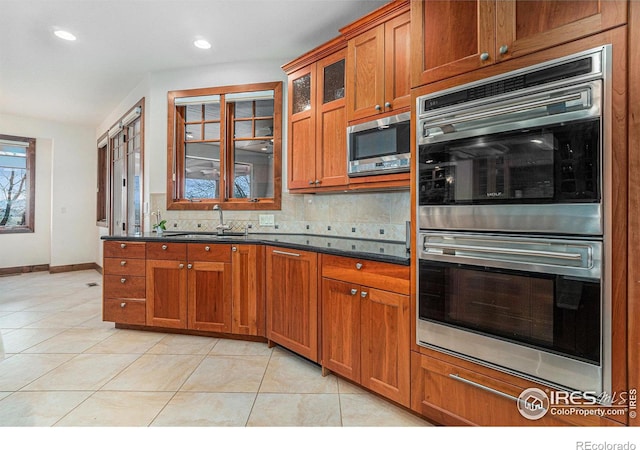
point(551, 164)
point(557, 313)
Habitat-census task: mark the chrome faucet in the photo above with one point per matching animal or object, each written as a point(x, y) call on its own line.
point(221, 226)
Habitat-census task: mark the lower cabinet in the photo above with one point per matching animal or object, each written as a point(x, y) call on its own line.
point(366, 329)
point(450, 391)
point(247, 290)
point(292, 300)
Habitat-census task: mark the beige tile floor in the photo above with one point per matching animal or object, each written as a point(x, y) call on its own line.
point(64, 367)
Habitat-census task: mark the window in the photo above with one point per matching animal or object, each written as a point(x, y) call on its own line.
point(126, 143)
point(102, 188)
point(224, 147)
point(17, 184)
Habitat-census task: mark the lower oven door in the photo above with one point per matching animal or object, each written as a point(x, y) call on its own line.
point(532, 306)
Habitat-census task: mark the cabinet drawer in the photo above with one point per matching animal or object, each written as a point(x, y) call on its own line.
point(121, 249)
point(121, 310)
point(124, 266)
point(124, 286)
point(167, 250)
point(386, 276)
point(209, 252)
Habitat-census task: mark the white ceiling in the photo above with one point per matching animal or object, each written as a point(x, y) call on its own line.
point(120, 41)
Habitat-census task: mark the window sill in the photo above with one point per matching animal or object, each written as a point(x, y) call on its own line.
point(15, 230)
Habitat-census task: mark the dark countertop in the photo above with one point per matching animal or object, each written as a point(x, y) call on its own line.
point(374, 250)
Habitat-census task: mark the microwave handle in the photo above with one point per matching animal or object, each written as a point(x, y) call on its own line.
point(507, 251)
point(506, 110)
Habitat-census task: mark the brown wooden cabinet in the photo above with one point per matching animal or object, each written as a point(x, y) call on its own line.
point(124, 290)
point(292, 300)
point(451, 37)
point(247, 289)
point(317, 120)
point(366, 324)
point(166, 284)
point(379, 62)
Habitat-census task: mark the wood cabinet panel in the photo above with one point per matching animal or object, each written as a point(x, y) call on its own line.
point(397, 62)
point(120, 249)
point(387, 276)
point(124, 286)
point(209, 296)
point(124, 266)
point(166, 293)
point(248, 290)
point(365, 74)
point(167, 250)
point(292, 304)
point(209, 252)
point(124, 310)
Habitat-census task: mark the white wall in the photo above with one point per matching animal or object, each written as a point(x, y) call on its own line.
point(65, 230)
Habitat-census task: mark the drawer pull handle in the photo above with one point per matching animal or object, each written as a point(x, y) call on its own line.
point(164, 247)
point(457, 377)
point(123, 304)
point(207, 248)
point(358, 266)
point(123, 280)
point(286, 253)
point(363, 294)
point(234, 249)
point(122, 263)
point(123, 245)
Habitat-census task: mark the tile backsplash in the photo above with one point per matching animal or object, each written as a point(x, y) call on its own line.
point(379, 215)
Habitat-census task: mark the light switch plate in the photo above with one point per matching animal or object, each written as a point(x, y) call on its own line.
point(266, 220)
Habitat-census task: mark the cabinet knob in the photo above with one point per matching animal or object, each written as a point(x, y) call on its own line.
point(123, 263)
point(180, 266)
point(123, 304)
point(378, 108)
point(123, 245)
point(387, 105)
point(363, 294)
point(234, 249)
point(354, 291)
point(207, 248)
point(189, 266)
point(164, 247)
point(484, 56)
point(358, 266)
point(310, 182)
point(317, 182)
point(123, 280)
point(504, 49)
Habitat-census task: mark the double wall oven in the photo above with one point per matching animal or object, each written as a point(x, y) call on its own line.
point(513, 196)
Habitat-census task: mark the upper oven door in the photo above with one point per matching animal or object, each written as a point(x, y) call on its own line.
point(535, 161)
point(380, 146)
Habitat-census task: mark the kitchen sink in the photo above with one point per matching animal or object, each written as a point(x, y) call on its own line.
point(192, 235)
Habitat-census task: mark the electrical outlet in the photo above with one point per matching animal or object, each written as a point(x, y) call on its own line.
point(266, 220)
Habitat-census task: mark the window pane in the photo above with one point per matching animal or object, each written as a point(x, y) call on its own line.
point(302, 94)
point(264, 127)
point(243, 129)
point(212, 111)
point(194, 113)
point(202, 171)
point(193, 132)
point(253, 169)
point(244, 109)
point(13, 196)
point(134, 193)
point(264, 108)
point(212, 131)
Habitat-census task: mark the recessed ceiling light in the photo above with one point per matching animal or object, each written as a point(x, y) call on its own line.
point(202, 43)
point(62, 34)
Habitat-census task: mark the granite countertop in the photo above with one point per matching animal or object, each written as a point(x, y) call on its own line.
point(375, 250)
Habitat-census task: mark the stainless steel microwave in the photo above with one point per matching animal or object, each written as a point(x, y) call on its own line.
point(379, 146)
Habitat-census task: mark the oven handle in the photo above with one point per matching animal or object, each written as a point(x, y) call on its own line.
point(509, 251)
point(457, 377)
point(506, 110)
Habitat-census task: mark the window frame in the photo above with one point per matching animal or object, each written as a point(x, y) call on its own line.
point(30, 186)
point(176, 151)
point(103, 185)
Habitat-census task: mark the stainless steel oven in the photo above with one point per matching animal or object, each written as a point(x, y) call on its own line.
point(512, 196)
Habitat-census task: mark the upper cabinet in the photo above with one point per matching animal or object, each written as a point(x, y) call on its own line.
point(451, 37)
point(378, 62)
point(317, 147)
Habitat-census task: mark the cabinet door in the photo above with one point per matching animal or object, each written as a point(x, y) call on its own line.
point(397, 63)
point(341, 328)
point(365, 74)
point(209, 296)
point(331, 122)
point(247, 269)
point(524, 27)
point(166, 294)
point(450, 37)
point(386, 344)
point(302, 128)
point(292, 300)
